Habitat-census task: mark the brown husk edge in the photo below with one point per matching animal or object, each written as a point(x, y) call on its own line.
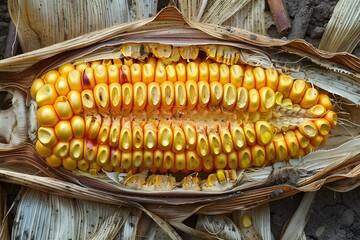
point(23, 166)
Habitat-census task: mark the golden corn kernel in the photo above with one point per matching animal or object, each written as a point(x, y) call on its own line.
point(135, 71)
point(92, 126)
point(150, 136)
point(297, 90)
point(66, 68)
point(35, 86)
point(100, 74)
point(258, 155)
point(216, 93)
point(249, 79)
point(192, 94)
point(74, 98)
point(125, 139)
point(238, 136)
point(190, 135)
point(101, 95)
point(246, 221)
point(292, 143)
point(204, 94)
point(192, 71)
point(226, 139)
point(180, 95)
point(69, 164)
point(171, 73)
point(140, 95)
point(125, 76)
point(270, 153)
point(310, 98)
point(46, 95)
point(42, 150)
point(267, 99)
point(323, 126)
point(158, 158)
point(193, 161)
point(167, 95)
point(104, 131)
point(317, 111)
point(309, 129)
point(254, 101)
point(244, 157)
point(126, 159)
point(113, 74)
point(242, 99)
point(214, 72)
point(324, 100)
point(281, 150)
point(284, 85)
point(62, 86)
point(94, 168)
point(220, 161)
point(272, 78)
point(83, 165)
point(317, 140)
point(53, 161)
point(115, 96)
point(160, 73)
point(332, 118)
point(46, 116)
point(250, 134)
point(138, 135)
point(63, 130)
point(90, 150)
point(203, 72)
point(137, 158)
point(127, 96)
point(303, 141)
point(165, 136)
point(148, 158)
point(224, 74)
point(208, 163)
point(74, 80)
point(51, 76)
point(264, 132)
point(179, 142)
point(230, 96)
point(63, 108)
point(88, 81)
point(232, 160)
point(168, 160)
point(154, 96)
point(214, 142)
point(181, 72)
point(260, 78)
point(76, 149)
point(114, 133)
point(148, 73)
point(61, 149)
point(88, 100)
point(236, 75)
point(202, 144)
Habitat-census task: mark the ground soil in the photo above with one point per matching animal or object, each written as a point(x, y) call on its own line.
point(333, 215)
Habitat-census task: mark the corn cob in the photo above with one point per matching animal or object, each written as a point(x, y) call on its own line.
point(173, 115)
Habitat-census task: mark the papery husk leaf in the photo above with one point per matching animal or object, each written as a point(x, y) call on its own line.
point(342, 33)
point(251, 17)
point(296, 226)
point(42, 23)
point(4, 230)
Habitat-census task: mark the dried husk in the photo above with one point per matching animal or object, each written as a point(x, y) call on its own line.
point(4, 229)
point(340, 160)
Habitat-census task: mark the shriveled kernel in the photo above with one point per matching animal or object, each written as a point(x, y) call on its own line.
point(281, 150)
point(115, 96)
point(246, 221)
point(254, 101)
point(332, 118)
point(76, 149)
point(297, 90)
point(135, 70)
point(169, 160)
point(303, 141)
point(46, 95)
point(63, 130)
point(216, 93)
point(140, 95)
point(323, 126)
point(264, 132)
point(309, 129)
point(88, 80)
point(193, 161)
point(232, 160)
point(221, 161)
point(101, 95)
point(165, 135)
point(100, 73)
point(127, 96)
point(292, 143)
point(137, 158)
point(53, 161)
point(88, 100)
point(69, 164)
point(125, 139)
point(244, 157)
point(35, 86)
point(230, 96)
point(61, 149)
point(74, 80)
point(238, 136)
point(74, 98)
point(42, 150)
point(62, 86)
point(202, 144)
point(310, 98)
point(204, 94)
point(46, 116)
point(180, 95)
point(267, 99)
point(125, 76)
point(154, 96)
point(260, 78)
point(258, 155)
point(63, 108)
point(236, 75)
point(285, 84)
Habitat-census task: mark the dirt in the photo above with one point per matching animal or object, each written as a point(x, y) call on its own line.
point(333, 215)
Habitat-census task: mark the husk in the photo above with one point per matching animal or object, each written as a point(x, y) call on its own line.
point(342, 33)
point(4, 232)
point(258, 186)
